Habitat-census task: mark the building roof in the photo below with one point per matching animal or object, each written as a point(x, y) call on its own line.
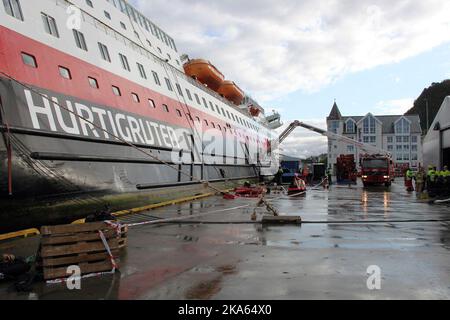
point(388, 122)
point(335, 113)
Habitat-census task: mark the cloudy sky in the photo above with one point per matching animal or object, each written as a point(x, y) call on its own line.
point(297, 56)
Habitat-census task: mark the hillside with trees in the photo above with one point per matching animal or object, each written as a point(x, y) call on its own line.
point(435, 95)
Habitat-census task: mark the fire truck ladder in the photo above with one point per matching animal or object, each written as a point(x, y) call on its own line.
point(363, 146)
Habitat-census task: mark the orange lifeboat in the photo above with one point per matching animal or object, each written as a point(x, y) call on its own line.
point(231, 91)
point(204, 72)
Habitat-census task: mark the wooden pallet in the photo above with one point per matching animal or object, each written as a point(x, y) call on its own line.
point(81, 245)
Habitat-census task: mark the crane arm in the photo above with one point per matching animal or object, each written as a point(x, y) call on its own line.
point(363, 146)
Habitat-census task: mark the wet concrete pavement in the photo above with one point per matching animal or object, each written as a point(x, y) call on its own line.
point(251, 261)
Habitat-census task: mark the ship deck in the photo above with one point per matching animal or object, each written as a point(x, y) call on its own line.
point(408, 239)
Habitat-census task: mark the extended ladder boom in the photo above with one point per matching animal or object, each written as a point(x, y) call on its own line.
point(363, 146)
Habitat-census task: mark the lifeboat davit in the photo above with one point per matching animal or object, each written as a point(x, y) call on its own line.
point(232, 92)
point(204, 72)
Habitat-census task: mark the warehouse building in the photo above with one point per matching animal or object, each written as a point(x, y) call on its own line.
point(436, 145)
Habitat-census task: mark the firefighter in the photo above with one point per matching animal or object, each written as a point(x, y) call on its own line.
point(431, 180)
point(420, 180)
point(445, 178)
point(409, 176)
point(328, 174)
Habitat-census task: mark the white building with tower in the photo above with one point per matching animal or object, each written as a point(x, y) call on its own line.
point(398, 134)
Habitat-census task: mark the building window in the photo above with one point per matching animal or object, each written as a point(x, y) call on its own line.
point(124, 61)
point(89, 3)
point(390, 147)
point(402, 126)
point(399, 157)
point(399, 148)
point(93, 82)
point(369, 126)
point(413, 139)
point(390, 139)
point(141, 70)
point(151, 103)
point(366, 139)
point(107, 15)
point(13, 8)
point(116, 91)
point(169, 85)
point(29, 60)
point(104, 52)
point(406, 147)
point(350, 126)
point(165, 108)
point(350, 148)
point(65, 73)
point(414, 147)
point(50, 25)
point(406, 139)
point(135, 97)
point(406, 157)
point(373, 139)
point(156, 78)
point(80, 40)
point(414, 157)
point(399, 139)
point(334, 126)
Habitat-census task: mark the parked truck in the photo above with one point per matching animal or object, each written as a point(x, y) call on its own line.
point(377, 169)
point(346, 169)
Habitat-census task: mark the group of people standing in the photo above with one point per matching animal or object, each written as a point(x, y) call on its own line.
point(435, 182)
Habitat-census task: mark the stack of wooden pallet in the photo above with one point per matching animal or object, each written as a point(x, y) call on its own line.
point(81, 245)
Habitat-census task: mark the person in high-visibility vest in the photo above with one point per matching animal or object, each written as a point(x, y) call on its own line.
point(445, 173)
point(409, 180)
point(431, 180)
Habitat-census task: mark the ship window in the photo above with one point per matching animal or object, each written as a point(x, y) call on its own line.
point(179, 89)
point(107, 15)
point(178, 62)
point(124, 61)
point(116, 91)
point(205, 103)
point(197, 118)
point(223, 112)
point(124, 27)
point(189, 94)
point(104, 52)
point(141, 70)
point(135, 97)
point(156, 78)
point(234, 118)
point(190, 117)
point(213, 125)
point(80, 40)
point(89, 3)
point(13, 8)
point(29, 60)
point(169, 85)
point(197, 98)
point(50, 25)
point(137, 35)
point(179, 113)
point(168, 56)
point(228, 114)
point(65, 73)
point(151, 103)
point(211, 105)
point(93, 82)
point(206, 122)
point(149, 43)
point(159, 49)
point(165, 108)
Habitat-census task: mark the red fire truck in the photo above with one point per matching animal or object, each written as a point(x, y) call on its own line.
point(377, 169)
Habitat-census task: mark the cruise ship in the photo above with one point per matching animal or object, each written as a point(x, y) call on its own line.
point(98, 108)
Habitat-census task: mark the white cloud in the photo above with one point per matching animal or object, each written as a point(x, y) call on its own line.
point(271, 48)
point(303, 143)
point(394, 107)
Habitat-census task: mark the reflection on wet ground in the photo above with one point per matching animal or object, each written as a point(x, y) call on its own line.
point(251, 261)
